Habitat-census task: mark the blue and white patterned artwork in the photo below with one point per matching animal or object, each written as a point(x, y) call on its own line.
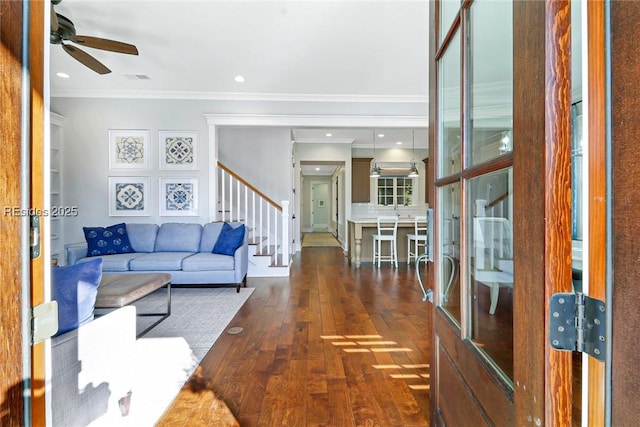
point(179, 196)
point(178, 149)
point(129, 149)
point(128, 196)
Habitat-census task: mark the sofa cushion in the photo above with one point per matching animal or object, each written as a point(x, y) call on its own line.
point(115, 262)
point(107, 240)
point(210, 233)
point(142, 236)
point(75, 288)
point(178, 237)
point(204, 261)
point(159, 261)
point(229, 240)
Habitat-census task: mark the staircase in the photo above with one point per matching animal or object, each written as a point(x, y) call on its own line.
point(267, 222)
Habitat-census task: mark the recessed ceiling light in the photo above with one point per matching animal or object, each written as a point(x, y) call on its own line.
point(328, 134)
point(399, 143)
point(381, 135)
point(317, 169)
point(239, 79)
point(63, 75)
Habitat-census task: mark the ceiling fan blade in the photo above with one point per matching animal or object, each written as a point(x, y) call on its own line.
point(104, 44)
point(86, 59)
point(54, 19)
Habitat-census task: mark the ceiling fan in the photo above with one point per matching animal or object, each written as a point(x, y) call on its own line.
point(63, 31)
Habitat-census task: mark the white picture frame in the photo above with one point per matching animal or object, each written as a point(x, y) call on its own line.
point(178, 196)
point(178, 150)
point(129, 196)
point(129, 149)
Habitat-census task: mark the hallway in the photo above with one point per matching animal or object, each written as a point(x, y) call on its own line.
point(328, 346)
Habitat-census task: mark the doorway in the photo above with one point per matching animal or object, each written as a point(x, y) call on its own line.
point(319, 206)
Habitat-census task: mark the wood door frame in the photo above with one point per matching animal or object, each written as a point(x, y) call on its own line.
point(542, 182)
point(12, 371)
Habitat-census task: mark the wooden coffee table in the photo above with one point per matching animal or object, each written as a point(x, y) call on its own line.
point(119, 290)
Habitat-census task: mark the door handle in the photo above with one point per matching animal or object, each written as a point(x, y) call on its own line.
point(427, 293)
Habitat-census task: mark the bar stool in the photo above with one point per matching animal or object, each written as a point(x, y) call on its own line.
point(417, 239)
point(387, 232)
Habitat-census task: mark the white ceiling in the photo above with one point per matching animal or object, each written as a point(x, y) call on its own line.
point(331, 51)
point(306, 49)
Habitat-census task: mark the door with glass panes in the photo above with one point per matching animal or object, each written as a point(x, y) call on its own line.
point(500, 121)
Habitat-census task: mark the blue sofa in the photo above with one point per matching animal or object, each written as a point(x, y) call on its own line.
point(183, 250)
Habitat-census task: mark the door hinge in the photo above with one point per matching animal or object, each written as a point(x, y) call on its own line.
point(44, 321)
point(578, 323)
point(35, 236)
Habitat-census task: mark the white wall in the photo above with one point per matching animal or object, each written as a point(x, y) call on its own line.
point(86, 156)
point(261, 155)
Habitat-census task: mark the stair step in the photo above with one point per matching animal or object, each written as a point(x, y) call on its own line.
point(279, 261)
point(266, 250)
point(255, 240)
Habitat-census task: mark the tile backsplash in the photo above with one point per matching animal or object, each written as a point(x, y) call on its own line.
point(369, 210)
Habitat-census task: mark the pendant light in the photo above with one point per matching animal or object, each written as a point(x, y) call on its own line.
point(413, 172)
point(375, 170)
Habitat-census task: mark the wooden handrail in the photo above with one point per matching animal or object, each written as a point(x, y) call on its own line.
point(251, 187)
point(496, 201)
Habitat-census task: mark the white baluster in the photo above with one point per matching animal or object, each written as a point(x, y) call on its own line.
point(222, 199)
point(285, 232)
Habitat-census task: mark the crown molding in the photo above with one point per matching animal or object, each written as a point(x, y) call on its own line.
point(320, 120)
point(239, 96)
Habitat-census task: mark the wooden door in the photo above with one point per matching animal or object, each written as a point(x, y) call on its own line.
point(500, 131)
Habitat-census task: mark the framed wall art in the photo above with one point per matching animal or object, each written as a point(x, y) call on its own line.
point(178, 150)
point(178, 196)
point(129, 196)
point(129, 149)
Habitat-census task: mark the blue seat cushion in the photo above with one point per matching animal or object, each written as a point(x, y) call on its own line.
point(229, 240)
point(204, 261)
point(159, 261)
point(107, 240)
point(75, 288)
point(116, 262)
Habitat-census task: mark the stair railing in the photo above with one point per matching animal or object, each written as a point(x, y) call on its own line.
point(269, 221)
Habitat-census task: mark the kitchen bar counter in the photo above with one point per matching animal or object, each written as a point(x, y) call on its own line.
point(360, 232)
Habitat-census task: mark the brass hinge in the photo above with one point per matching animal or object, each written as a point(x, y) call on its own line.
point(578, 323)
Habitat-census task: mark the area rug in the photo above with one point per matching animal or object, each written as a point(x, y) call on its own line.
point(319, 240)
point(169, 353)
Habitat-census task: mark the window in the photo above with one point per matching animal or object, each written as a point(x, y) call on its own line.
point(395, 191)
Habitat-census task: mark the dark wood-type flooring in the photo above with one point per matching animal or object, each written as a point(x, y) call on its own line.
point(329, 346)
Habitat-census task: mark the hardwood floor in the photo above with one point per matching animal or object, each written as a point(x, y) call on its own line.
point(329, 346)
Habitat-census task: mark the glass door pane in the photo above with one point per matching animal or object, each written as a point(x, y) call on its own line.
point(449, 101)
point(449, 230)
point(448, 11)
point(490, 243)
point(491, 80)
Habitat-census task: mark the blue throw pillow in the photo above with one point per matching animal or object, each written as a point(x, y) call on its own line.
point(107, 240)
point(75, 288)
point(229, 239)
